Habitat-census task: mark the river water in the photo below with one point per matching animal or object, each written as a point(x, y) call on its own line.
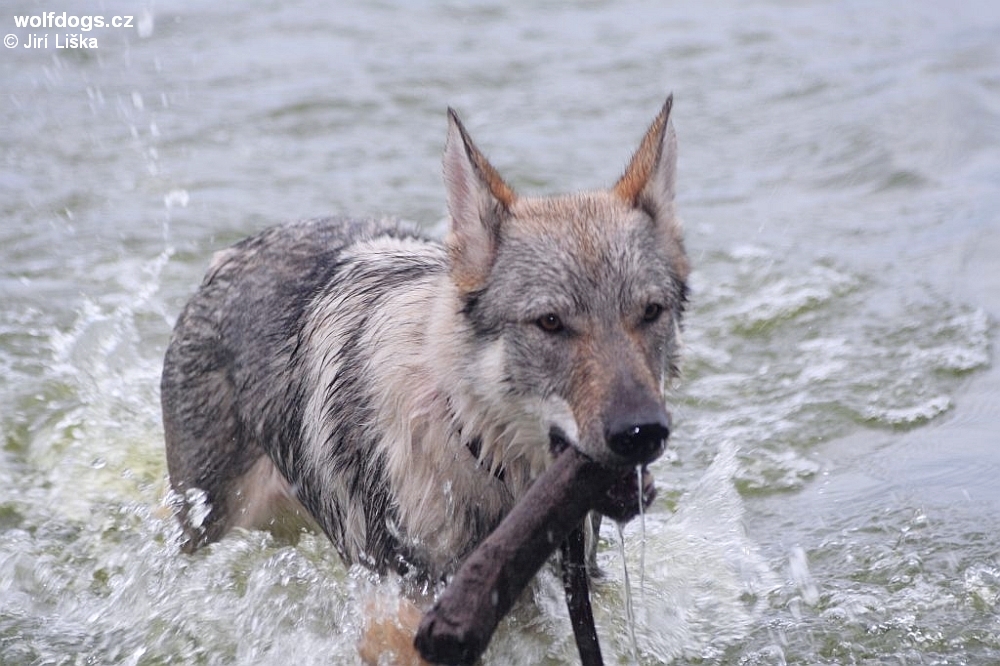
point(831, 495)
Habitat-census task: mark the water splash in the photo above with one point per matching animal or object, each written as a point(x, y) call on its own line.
point(704, 581)
point(798, 566)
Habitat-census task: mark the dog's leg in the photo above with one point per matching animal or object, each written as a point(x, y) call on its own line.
point(263, 499)
point(211, 457)
point(206, 447)
point(387, 635)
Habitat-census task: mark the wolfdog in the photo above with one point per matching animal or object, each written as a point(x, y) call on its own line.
point(400, 393)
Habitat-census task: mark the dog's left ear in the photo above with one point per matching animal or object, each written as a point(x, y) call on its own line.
point(478, 202)
point(648, 182)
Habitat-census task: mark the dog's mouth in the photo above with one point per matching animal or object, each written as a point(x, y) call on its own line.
point(632, 493)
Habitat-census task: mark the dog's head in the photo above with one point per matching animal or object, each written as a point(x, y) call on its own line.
point(584, 292)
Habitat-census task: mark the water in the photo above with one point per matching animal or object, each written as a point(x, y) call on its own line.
point(627, 589)
point(830, 494)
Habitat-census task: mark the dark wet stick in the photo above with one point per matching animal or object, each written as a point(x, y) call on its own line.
point(459, 626)
point(577, 586)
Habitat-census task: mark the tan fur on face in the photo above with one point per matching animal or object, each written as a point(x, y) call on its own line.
point(603, 361)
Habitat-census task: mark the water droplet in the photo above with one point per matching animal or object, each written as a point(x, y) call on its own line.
point(629, 608)
point(178, 198)
point(799, 568)
point(642, 537)
point(144, 26)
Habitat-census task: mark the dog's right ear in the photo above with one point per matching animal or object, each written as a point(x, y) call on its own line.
point(648, 182)
point(478, 201)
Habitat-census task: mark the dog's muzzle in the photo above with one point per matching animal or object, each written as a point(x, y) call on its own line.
point(632, 493)
point(635, 489)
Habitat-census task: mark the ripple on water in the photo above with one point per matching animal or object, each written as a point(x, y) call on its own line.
point(785, 356)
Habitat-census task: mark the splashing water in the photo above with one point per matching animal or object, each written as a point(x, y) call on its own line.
point(630, 618)
point(703, 581)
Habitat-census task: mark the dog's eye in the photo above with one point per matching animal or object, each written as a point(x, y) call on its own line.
point(550, 323)
point(652, 312)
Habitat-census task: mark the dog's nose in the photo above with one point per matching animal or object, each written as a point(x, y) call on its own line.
point(640, 440)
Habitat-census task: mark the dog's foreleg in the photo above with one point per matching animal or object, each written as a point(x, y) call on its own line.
point(387, 635)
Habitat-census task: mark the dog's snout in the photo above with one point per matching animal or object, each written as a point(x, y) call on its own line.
point(640, 438)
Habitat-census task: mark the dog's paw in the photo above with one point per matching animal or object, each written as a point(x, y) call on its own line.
point(388, 631)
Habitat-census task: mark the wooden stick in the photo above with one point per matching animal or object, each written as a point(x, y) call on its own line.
point(576, 582)
point(459, 626)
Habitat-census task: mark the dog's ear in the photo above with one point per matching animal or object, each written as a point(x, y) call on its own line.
point(648, 182)
point(478, 201)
